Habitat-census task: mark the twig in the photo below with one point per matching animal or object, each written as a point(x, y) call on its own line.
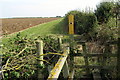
point(15, 67)
point(21, 51)
point(52, 53)
point(13, 57)
point(52, 48)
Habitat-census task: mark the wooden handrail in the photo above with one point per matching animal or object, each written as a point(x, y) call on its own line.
point(54, 74)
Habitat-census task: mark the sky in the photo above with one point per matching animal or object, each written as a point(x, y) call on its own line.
point(43, 8)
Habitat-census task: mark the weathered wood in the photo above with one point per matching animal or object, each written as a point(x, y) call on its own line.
point(95, 55)
point(60, 43)
point(71, 75)
point(86, 58)
point(94, 66)
point(107, 52)
point(58, 66)
point(65, 70)
point(39, 45)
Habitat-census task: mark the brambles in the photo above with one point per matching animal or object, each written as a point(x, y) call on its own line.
point(20, 56)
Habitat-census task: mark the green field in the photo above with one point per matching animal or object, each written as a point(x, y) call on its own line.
point(53, 27)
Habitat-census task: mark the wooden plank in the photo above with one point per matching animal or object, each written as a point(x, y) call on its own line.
point(95, 55)
point(58, 66)
point(94, 66)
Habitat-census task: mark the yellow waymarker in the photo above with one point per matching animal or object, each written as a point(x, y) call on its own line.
point(71, 24)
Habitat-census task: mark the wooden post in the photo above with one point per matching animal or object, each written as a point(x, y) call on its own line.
point(71, 32)
point(71, 74)
point(118, 60)
point(39, 45)
point(107, 51)
point(65, 70)
point(86, 58)
point(71, 24)
point(60, 43)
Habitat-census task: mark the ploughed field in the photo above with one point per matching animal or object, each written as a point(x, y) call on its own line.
point(17, 24)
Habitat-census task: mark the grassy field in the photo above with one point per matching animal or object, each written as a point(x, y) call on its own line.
point(53, 27)
point(11, 25)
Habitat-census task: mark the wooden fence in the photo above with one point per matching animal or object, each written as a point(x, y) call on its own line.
point(68, 69)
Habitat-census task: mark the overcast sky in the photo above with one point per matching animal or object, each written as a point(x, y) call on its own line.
point(42, 8)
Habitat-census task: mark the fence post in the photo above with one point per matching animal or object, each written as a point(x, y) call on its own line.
point(71, 74)
point(60, 43)
point(39, 45)
point(65, 70)
point(85, 58)
point(107, 51)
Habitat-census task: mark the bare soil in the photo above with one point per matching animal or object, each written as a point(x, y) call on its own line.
point(8, 26)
